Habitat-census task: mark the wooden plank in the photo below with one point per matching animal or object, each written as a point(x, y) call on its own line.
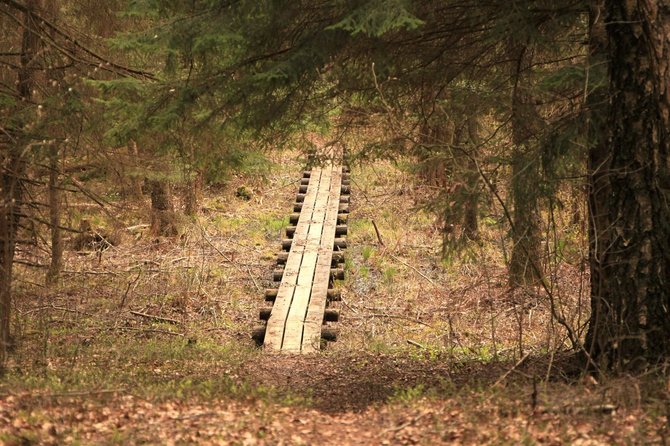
point(294, 322)
point(292, 341)
point(311, 338)
point(297, 315)
point(275, 329)
point(307, 211)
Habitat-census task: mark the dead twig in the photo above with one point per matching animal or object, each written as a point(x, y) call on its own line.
point(92, 273)
point(406, 424)
point(379, 236)
point(130, 285)
point(391, 316)
point(55, 307)
point(506, 374)
point(154, 317)
point(149, 330)
point(228, 259)
point(414, 268)
point(68, 394)
point(351, 307)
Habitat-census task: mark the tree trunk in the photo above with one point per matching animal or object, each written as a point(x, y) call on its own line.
point(450, 213)
point(576, 201)
point(631, 294)
point(135, 180)
point(437, 140)
point(598, 168)
point(13, 164)
point(471, 209)
point(192, 193)
point(525, 265)
point(54, 219)
point(163, 220)
point(11, 197)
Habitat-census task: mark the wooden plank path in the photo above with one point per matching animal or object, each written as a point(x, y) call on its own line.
point(297, 316)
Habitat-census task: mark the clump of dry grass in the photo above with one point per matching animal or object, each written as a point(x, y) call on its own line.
point(400, 294)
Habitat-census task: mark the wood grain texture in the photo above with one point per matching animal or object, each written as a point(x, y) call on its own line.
point(295, 322)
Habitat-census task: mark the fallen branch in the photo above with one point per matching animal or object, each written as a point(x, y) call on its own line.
point(149, 330)
point(379, 236)
point(391, 316)
point(66, 394)
point(406, 424)
point(228, 259)
point(415, 344)
point(506, 374)
point(154, 317)
point(83, 393)
point(351, 307)
point(132, 228)
point(416, 270)
point(93, 273)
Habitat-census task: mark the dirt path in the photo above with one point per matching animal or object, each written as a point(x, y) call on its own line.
point(357, 399)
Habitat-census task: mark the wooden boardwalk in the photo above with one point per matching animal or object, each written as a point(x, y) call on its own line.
point(298, 312)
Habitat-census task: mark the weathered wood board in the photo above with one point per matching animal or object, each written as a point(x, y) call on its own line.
point(297, 315)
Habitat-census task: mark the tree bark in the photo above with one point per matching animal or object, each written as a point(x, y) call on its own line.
point(525, 263)
point(630, 323)
point(598, 168)
point(13, 164)
point(471, 209)
point(436, 140)
point(54, 219)
point(192, 193)
point(450, 211)
point(163, 220)
point(135, 180)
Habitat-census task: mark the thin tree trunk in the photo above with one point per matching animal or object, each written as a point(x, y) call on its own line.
point(576, 201)
point(13, 165)
point(437, 140)
point(450, 239)
point(54, 195)
point(631, 297)
point(598, 168)
point(471, 210)
point(525, 263)
point(11, 196)
point(192, 193)
point(135, 180)
point(163, 220)
point(54, 219)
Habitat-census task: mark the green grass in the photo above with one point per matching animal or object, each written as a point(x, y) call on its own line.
point(389, 274)
point(228, 224)
point(361, 231)
point(155, 368)
point(348, 263)
point(273, 226)
point(407, 395)
point(367, 252)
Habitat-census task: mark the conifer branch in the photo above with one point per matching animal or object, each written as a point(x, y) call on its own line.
point(107, 64)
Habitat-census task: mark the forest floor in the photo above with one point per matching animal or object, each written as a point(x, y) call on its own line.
point(149, 342)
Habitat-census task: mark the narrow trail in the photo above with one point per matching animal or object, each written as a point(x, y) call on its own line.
point(298, 320)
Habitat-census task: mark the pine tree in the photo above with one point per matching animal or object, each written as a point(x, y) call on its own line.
point(630, 323)
point(14, 163)
point(38, 121)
